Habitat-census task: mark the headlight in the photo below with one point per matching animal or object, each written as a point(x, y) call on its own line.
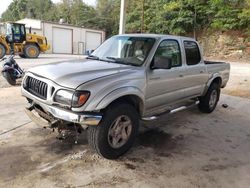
point(70, 98)
point(64, 97)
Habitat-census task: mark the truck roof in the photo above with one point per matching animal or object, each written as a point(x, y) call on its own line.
point(158, 36)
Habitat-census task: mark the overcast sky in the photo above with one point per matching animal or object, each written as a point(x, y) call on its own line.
point(5, 3)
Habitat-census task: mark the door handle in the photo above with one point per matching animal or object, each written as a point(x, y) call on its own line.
point(202, 71)
point(181, 75)
point(155, 78)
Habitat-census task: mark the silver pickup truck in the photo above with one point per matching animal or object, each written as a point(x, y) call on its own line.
point(128, 78)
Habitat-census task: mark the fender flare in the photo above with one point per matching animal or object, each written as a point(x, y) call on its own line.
point(210, 81)
point(116, 94)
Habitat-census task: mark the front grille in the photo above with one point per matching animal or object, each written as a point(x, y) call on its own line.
point(37, 87)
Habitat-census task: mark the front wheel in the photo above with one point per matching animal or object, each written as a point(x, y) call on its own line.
point(117, 131)
point(31, 51)
point(10, 78)
point(209, 102)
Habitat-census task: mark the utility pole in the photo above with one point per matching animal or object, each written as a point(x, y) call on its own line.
point(195, 21)
point(142, 17)
point(122, 17)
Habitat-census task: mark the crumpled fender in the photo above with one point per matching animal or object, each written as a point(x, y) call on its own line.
point(115, 94)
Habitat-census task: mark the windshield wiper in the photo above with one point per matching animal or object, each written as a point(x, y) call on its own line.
point(93, 57)
point(118, 60)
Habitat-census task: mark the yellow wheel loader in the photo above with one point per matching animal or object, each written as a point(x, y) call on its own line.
point(14, 40)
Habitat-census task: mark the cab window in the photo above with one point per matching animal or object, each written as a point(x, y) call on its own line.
point(22, 30)
point(193, 56)
point(170, 49)
point(16, 29)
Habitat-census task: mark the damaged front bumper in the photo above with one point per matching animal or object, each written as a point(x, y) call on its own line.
point(86, 118)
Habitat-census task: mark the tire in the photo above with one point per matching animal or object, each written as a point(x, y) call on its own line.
point(31, 51)
point(209, 102)
point(10, 79)
point(22, 56)
point(2, 51)
point(106, 138)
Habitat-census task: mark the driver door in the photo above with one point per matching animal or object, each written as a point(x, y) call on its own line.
point(166, 86)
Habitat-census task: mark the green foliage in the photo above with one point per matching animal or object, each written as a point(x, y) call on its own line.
point(108, 15)
point(156, 16)
point(75, 12)
point(37, 9)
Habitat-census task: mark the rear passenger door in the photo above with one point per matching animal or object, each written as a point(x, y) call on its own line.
point(195, 73)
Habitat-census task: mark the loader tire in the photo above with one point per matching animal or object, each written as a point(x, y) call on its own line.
point(2, 51)
point(22, 56)
point(31, 51)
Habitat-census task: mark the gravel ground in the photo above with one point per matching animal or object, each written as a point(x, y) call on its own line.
point(187, 149)
point(239, 82)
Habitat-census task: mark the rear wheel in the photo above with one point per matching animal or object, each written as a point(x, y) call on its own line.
point(10, 78)
point(2, 51)
point(31, 51)
point(117, 131)
point(209, 102)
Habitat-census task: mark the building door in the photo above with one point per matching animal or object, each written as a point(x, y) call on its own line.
point(62, 41)
point(93, 40)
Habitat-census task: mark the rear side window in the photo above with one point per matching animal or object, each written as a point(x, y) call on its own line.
point(192, 51)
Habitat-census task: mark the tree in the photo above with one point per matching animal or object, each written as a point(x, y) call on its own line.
point(159, 16)
point(20, 9)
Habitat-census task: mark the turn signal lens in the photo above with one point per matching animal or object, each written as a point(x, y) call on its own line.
point(80, 98)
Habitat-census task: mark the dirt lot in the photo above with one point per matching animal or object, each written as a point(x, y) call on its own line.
point(188, 149)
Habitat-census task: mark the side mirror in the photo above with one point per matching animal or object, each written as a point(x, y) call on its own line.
point(161, 62)
point(89, 52)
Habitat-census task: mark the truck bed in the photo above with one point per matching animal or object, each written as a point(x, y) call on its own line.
point(221, 68)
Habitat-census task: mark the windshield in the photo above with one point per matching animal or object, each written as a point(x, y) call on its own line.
point(124, 50)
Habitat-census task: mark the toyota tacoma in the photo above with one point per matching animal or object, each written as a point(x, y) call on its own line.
point(127, 79)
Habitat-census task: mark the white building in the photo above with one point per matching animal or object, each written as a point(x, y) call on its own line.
point(66, 38)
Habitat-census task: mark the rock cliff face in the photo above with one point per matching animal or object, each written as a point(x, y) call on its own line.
point(231, 45)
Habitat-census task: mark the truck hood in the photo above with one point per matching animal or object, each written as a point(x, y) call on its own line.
point(71, 74)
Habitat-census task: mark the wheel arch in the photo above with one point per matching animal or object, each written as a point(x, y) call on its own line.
point(133, 100)
point(129, 95)
point(3, 45)
point(216, 79)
